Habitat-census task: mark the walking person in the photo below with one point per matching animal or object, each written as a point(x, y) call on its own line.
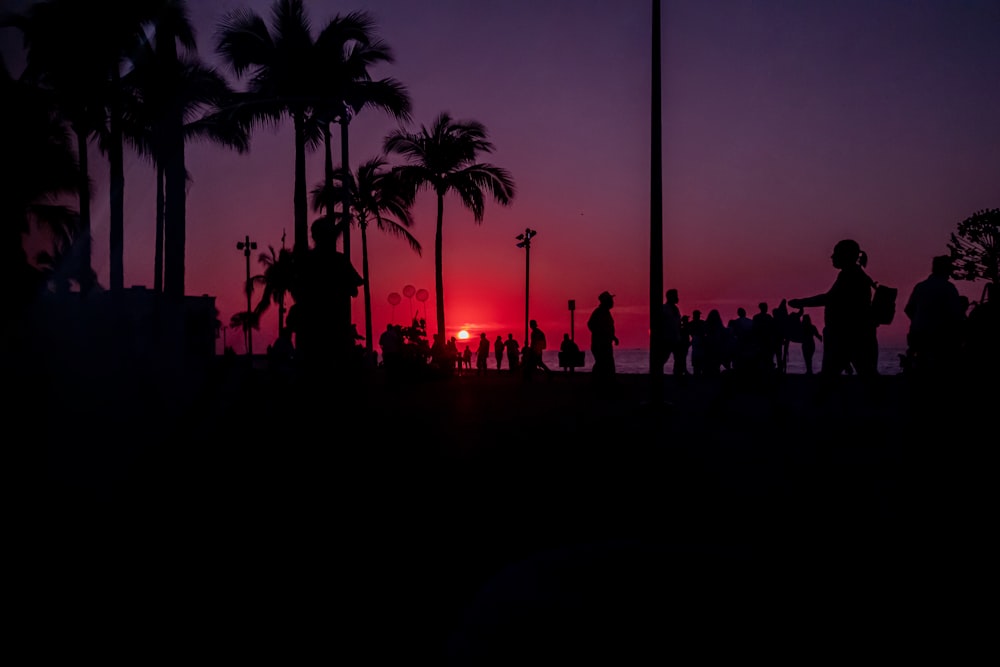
point(849, 331)
point(536, 345)
point(603, 339)
point(810, 334)
point(670, 337)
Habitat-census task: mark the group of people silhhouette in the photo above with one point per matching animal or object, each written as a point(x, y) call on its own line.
point(943, 337)
point(942, 340)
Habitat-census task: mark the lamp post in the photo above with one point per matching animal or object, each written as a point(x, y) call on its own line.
point(248, 246)
point(525, 242)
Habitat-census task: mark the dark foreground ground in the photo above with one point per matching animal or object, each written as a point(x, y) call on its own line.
point(485, 520)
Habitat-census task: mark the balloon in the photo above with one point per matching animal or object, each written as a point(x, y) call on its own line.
point(394, 298)
point(408, 291)
point(422, 295)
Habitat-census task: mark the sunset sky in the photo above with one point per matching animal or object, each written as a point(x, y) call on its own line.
point(787, 126)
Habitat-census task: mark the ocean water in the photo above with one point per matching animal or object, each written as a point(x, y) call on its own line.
point(636, 360)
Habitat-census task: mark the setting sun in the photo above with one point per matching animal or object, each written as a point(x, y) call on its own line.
point(463, 335)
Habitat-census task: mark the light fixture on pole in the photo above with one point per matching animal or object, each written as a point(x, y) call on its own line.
point(248, 246)
point(525, 242)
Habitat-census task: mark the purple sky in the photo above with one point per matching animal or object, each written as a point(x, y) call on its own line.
point(786, 127)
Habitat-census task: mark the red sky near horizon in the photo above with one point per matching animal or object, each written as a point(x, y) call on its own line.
point(786, 127)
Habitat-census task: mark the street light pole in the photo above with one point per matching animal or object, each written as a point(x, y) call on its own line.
point(525, 242)
point(247, 246)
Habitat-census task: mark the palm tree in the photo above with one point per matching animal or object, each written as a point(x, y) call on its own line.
point(346, 49)
point(37, 170)
point(372, 194)
point(277, 280)
point(247, 321)
point(442, 158)
point(176, 91)
point(165, 87)
point(71, 53)
point(77, 50)
point(283, 75)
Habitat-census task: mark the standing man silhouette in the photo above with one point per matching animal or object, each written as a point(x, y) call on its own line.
point(498, 350)
point(936, 313)
point(602, 339)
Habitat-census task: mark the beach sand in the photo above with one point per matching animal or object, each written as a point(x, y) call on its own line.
point(489, 520)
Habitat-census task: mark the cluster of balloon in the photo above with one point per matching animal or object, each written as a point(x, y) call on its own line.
point(409, 292)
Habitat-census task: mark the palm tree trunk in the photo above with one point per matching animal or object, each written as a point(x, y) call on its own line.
point(345, 161)
point(367, 287)
point(158, 251)
point(299, 194)
point(438, 270)
point(116, 231)
point(82, 242)
point(174, 217)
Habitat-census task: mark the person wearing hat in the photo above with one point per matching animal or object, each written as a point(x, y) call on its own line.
point(602, 338)
point(936, 312)
point(849, 333)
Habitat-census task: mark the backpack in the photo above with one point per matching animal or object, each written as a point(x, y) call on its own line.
point(883, 304)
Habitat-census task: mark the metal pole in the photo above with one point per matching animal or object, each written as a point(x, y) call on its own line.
point(655, 218)
point(527, 273)
point(525, 242)
point(247, 246)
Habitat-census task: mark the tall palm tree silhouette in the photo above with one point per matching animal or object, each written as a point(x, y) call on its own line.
point(282, 64)
point(346, 48)
point(372, 194)
point(442, 158)
point(167, 87)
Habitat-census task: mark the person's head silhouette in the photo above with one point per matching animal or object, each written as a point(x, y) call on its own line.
point(323, 233)
point(942, 266)
point(847, 253)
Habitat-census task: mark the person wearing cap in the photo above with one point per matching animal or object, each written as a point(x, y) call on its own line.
point(602, 338)
point(849, 336)
point(936, 313)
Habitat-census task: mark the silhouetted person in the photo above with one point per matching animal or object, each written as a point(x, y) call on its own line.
point(740, 341)
point(696, 334)
point(603, 338)
point(715, 344)
point(513, 349)
point(440, 358)
point(810, 334)
point(536, 345)
point(467, 358)
point(391, 342)
point(482, 354)
point(282, 353)
point(849, 336)
point(670, 334)
point(498, 350)
point(454, 356)
point(781, 326)
point(324, 284)
point(936, 319)
point(569, 352)
point(983, 333)
point(765, 339)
